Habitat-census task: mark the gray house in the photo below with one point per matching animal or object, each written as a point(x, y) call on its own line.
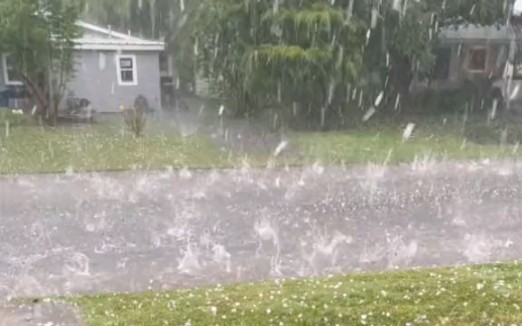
point(111, 70)
point(470, 53)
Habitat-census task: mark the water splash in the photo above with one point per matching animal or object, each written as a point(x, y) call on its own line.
point(185, 174)
point(373, 176)
point(400, 252)
point(424, 163)
point(189, 263)
point(318, 168)
point(267, 234)
point(77, 264)
point(325, 252)
point(222, 257)
point(479, 248)
point(27, 286)
point(69, 171)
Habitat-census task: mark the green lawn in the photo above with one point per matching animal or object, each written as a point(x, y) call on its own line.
point(481, 295)
point(106, 147)
point(102, 148)
point(381, 146)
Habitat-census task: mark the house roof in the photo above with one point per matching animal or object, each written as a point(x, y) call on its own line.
point(469, 32)
point(99, 38)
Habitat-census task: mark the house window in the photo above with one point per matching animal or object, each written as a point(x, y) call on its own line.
point(127, 70)
point(11, 75)
point(477, 59)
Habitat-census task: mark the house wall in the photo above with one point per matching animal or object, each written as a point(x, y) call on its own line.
point(2, 79)
point(96, 79)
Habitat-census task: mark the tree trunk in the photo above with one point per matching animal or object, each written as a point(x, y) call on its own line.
point(401, 77)
point(38, 94)
point(52, 109)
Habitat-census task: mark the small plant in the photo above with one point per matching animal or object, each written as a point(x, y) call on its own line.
point(136, 118)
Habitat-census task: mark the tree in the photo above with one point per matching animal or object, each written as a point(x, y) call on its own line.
point(297, 53)
point(39, 35)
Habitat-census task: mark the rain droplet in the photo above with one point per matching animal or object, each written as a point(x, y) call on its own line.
point(369, 114)
point(280, 148)
point(379, 98)
point(408, 132)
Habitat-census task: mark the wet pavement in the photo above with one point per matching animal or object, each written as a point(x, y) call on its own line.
point(129, 232)
point(39, 313)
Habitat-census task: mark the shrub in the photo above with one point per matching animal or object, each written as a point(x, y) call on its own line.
point(136, 120)
point(14, 118)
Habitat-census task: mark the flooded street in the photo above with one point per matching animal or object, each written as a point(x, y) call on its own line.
point(131, 232)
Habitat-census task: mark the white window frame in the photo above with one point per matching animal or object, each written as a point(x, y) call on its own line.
point(134, 69)
point(6, 75)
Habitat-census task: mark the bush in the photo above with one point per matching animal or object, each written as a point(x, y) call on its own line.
point(14, 118)
point(136, 118)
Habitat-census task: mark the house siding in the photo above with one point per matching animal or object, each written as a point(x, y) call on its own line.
point(2, 78)
point(96, 79)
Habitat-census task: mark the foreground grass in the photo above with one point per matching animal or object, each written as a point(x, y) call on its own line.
point(102, 148)
point(106, 147)
point(388, 146)
point(481, 295)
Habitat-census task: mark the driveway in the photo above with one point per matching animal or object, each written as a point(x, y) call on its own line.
point(128, 232)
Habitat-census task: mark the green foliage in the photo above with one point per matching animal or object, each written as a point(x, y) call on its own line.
point(483, 12)
point(263, 56)
point(318, 16)
point(39, 35)
point(312, 53)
